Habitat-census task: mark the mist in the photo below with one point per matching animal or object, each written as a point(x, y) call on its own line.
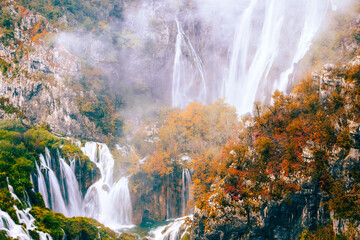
point(138, 54)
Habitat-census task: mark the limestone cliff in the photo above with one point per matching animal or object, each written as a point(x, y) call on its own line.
point(35, 75)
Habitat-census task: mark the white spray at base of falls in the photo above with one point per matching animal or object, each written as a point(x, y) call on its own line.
point(173, 231)
point(189, 82)
point(107, 201)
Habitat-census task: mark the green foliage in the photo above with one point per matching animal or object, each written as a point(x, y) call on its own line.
point(20, 147)
point(13, 126)
point(4, 66)
point(324, 233)
point(127, 236)
point(75, 228)
point(87, 13)
point(6, 31)
point(9, 108)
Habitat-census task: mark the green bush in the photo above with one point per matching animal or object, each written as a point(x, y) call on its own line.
point(75, 228)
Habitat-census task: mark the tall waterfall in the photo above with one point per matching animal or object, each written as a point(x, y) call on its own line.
point(185, 190)
point(189, 82)
point(265, 51)
point(106, 201)
point(63, 194)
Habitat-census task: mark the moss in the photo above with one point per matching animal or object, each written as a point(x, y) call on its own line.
point(7, 204)
point(186, 237)
point(13, 125)
point(57, 224)
point(3, 236)
point(127, 236)
point(20, 147)
point(34, 235)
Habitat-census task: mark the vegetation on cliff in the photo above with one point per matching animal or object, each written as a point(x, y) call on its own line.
point(20, 146)
point(87, 13)
point(310, 136)
point(58, 226)
point(24, 31)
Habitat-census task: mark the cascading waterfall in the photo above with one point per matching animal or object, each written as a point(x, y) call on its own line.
point(11, 228)
point(258, 55)
point(189, 81)
point(106, 201)
point(61, 195)
point(18, 231)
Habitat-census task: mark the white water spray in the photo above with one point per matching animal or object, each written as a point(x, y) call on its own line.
point(173, 231)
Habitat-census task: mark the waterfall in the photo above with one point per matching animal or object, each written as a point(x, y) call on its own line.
point(18, 231)
point(107, 201)
point(189, 82)
point(63, 194)
point(11, 228)
point(262, 57)
point(185, 190)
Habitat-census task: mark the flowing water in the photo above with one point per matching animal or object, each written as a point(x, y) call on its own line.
point(261, 46)
point(270, 37)
point(172, 231)
point(106, 201)
point(185, 191)
point(14, 230)
point(189, 79)
point(60, 194)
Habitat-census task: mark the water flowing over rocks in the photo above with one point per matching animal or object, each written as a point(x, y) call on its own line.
point(106, 200)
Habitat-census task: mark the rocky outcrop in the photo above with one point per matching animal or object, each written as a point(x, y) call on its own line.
point(274, 220)
point(36, 76)
point(155, 200)
point(286, 219)
point(310, 207)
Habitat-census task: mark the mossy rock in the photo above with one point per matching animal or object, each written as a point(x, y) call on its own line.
point(127, 236)
point(186, 237)
point(56, 224)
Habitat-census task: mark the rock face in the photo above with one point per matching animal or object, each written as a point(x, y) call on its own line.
point(285, 219)
point(155, 201)
point(36, 75)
